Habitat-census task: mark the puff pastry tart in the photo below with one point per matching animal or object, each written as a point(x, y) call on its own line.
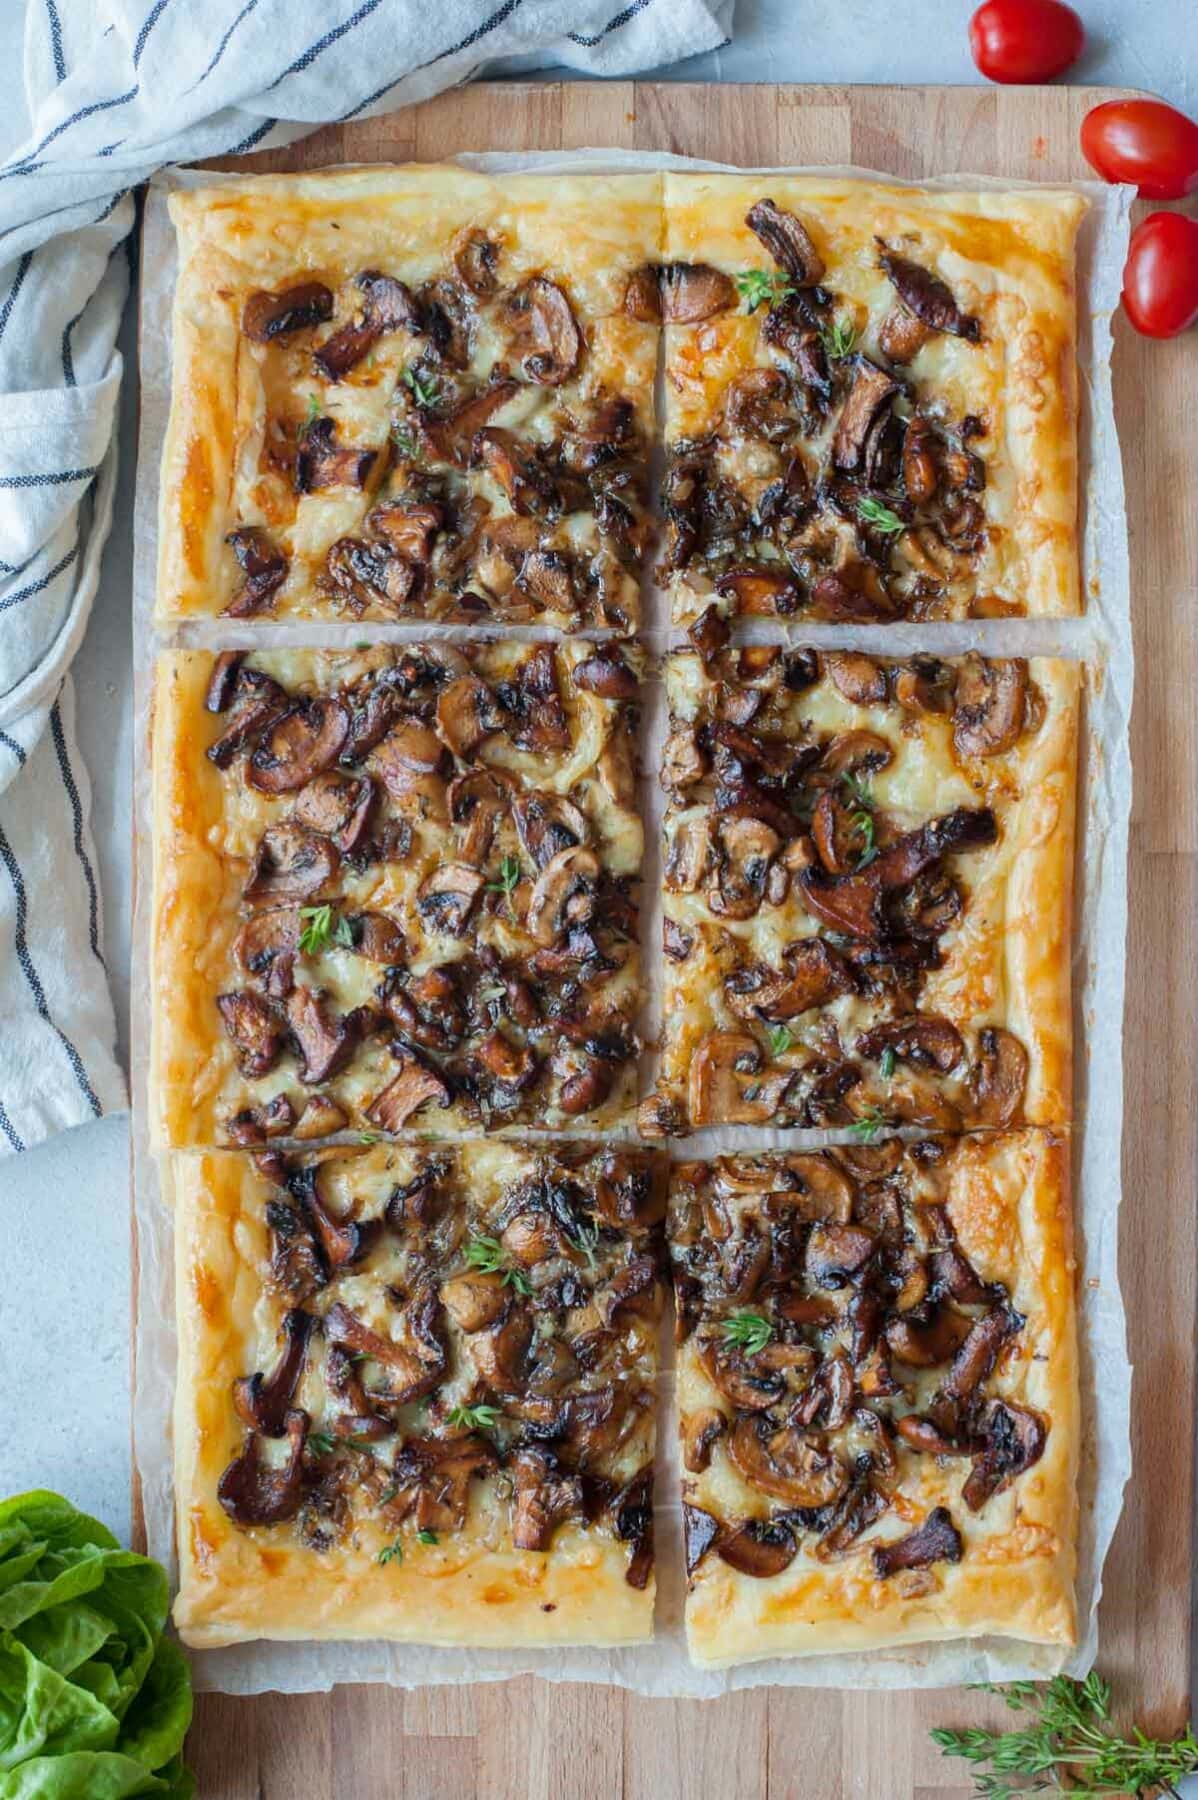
point(409, 393)
point(868, 873)
point(394, 889)
point(871, 399)
point(416, 1394)
point(877, 1389)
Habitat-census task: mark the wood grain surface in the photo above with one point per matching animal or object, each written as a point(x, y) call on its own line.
point(528, 1738)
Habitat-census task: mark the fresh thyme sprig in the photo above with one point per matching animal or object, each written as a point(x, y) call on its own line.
point(487, 1255)
point(424, 388)
point(404, 442)
point(748, 1331)
point(863, 824)
point(1069, 1745)
point(838, 339)
point(586, 1242)
point(878, 517)
point(509, 879)
point(779, 1040)
point(886, 1065)
point(392, 1553)
point(322, 927)
point(761, 287)
point(866, 1128)
point(425, 1536)
point(473, 1418)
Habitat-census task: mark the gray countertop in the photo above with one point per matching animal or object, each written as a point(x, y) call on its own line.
point(66, 1205)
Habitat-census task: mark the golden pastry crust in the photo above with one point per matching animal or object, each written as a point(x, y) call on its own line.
point(256, 417)
point(511, 995)
point(317, 1573)
point(996, 386)
point(766, 999)
point(1006, 1198)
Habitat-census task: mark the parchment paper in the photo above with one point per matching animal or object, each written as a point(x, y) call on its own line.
point(1102, 640)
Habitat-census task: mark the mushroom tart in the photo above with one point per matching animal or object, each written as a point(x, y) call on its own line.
point(417, 1394)
point(867, 890)
point(877, 1392)
point(871, 400)
point(396, 890)
point(410, 393)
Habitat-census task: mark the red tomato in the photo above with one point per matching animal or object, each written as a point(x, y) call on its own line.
point(1160, 277)
point(1025, 40)
point(1149, 145)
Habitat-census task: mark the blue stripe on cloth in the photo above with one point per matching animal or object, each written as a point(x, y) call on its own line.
point(18, 283)
point(31, 976)
point(248, 143)
point(12, 744)
point(152, 18)
point(55, 26)
point(6, 1127)
point(8, 601)
point(621, 18)
point(322, 44)
point(27, 165)
point(224, 44)
point(58, 479)
point(69, 783)
point(497, 18)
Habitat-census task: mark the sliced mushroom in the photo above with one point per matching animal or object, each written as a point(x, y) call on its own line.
point(925, 1346)
point(376, 937)
point(920, 474)
point(760, 1547)
point(365, 574)
point(255, 1124)
point(930, 299)
point(343, 1242)
point(788, 242)
point(546, 323)
point(432, 1475)
point(564, 895)
point(606, 674)
point(337, 805)
point(700, 1531)
point(415, 1086)
point(475, 1301)
point(409, 530)
point(267, 316)
point(446, 898)
point(408, 759)
point(922, 1038)
point(787, 1464)
point(813, 973)
point(467, 713)
point(936, 1540)
point(725, 1083)
point(872, 389)
point(416, 1364)
point(850, 904)
point(990, 709)
point(255, 1030)
point(533, 699)
point(476, 259)
point(265, 569)
point(291, 863)
point(254, 1493)
point(545, 1496)
point(761, 592)
point(452, 438)
point(320, 1117)
point(745, 849)
point(843, 834)
point(223, 681)
point(836, 1254)
point(321, 462)
point(679, 293)
point(860, 678)
point(757, 405)
point(546, 577)
point(855, 594)
point(978, 1354)
point(965, 828)
point(262, 1402)
point(386, 306)
point(1012, 1439)
point(751, 1384)
point(700, 1432)
point(266, 946)
point(998, 1077)
point(326, 1044)
point(305, 741)
point(901, 335)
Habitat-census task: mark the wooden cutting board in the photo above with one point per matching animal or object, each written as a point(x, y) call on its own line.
point(529, 1738)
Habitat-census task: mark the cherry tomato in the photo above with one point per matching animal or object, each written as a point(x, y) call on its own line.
point(1160, 277)
point(1149, 145)
point(1025, 40)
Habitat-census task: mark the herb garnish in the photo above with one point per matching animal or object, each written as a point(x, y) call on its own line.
point(748, 1330)
point(392, 1553)
point(321, 928)
point(321, 1443)
point(761, 287)
point(586, 1242)
point(1069, 1746)
point(404, 442)
point(780, 1040)
point(312, 414)
point(886, 1065)
point(509, 880)
point(473, 1418)
point(879, 517)
point(426, 1536)
point(866, 1128)
point(487, 1255)
point(838, 339)
point(863, 824)
point(424, 388)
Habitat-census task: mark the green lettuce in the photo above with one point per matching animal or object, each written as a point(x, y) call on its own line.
point(95, 1701)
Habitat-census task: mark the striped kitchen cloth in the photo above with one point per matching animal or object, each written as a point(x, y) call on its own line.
point(117, 89)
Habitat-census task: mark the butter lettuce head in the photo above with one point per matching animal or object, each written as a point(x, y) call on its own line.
point(94, 1701)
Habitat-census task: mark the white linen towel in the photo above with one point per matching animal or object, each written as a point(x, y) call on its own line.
point(116, 89)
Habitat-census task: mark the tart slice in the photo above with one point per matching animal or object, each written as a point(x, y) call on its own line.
point(410, 393)
point(867, 890)
point(396, 890)
point(877, 1389)
point(416, 1395)
point(871, 399)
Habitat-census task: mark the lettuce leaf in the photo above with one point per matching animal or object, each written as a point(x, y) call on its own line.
point(94, 1701)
